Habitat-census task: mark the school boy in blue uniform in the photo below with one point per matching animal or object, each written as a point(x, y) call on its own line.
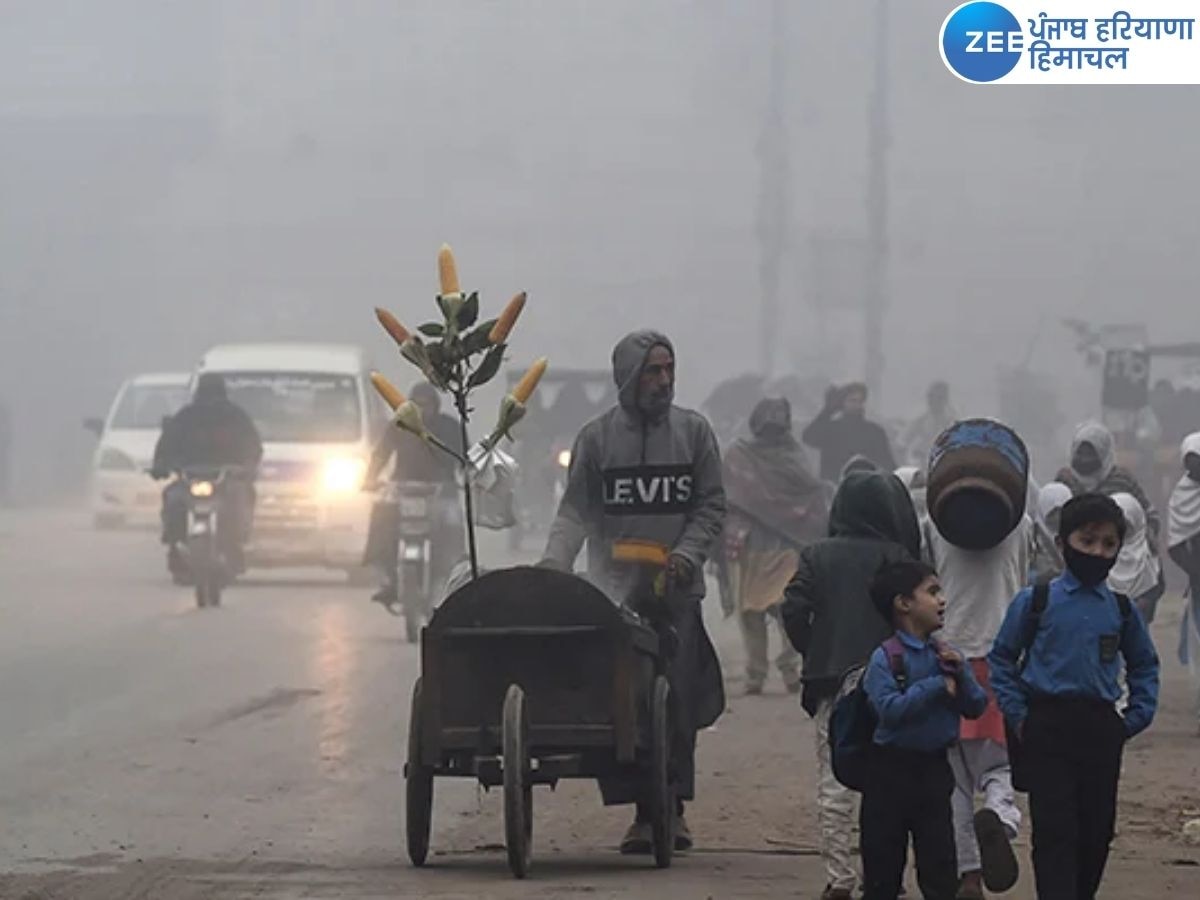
point(918, 689)
point(1055, 670)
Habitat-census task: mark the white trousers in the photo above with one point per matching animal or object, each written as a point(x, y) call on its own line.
point(980, 766)
point(836, 812)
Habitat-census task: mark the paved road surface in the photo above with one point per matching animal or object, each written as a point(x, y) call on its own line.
point(152, 750)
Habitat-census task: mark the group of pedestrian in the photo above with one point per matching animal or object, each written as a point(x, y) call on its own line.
point(882, 543)
point(958, 673)
point(1042, 670)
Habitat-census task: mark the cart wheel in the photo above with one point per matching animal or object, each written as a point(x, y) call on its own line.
point(518, 793)
point(663, 822)
point(418, 787)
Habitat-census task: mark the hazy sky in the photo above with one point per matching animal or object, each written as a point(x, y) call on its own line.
point(178, 174)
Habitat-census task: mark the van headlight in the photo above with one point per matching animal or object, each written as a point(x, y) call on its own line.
point(564, 458)
point(342, 475)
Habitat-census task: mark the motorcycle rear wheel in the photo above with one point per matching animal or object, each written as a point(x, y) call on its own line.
point(411, 597)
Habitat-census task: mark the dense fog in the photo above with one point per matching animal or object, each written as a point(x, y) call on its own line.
point(177, 175)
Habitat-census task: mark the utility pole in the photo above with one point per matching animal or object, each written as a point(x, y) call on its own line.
point(876, 299)
point(773, 196)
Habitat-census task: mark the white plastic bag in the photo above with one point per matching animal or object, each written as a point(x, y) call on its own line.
point(493, 487)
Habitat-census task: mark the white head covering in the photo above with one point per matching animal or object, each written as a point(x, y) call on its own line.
point(1183, 521)
point(1102, 442)
point(1137, 569)
point(1052, 497)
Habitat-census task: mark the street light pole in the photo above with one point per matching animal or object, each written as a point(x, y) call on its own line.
point(876, 299)
point(773, 197)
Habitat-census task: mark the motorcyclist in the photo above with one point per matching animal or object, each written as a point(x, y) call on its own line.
point(210, 432)
point(417, 462)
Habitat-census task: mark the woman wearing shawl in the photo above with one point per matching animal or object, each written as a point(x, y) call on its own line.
point(1183, 543)
point(775, 507)
point(1094, 470)
point(1047, 560)
point(1137, 573)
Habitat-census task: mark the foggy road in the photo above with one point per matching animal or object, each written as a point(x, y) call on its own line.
point(155, 751)
point(137, 726)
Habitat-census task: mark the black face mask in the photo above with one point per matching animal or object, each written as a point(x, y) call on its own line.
point(1090, 570)
point(1087, 465)
point(1193, 472)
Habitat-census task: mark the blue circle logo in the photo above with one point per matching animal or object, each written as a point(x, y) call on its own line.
point(981, 42)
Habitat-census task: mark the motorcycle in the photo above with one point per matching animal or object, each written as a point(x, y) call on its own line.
point(203, 551)
point(416, 510)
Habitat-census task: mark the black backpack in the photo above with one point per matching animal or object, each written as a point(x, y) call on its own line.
point(852, 722)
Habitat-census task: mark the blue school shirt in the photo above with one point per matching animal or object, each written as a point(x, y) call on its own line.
point(1075, 653)
point(923, 716)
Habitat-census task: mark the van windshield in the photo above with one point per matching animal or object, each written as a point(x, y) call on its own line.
point(298, 407)
point(143, 406)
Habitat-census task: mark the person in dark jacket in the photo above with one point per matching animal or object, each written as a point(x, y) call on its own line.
point(831, 621)
point(416, 461)
point(649, 473)
point(211, 432)
point(842, 431)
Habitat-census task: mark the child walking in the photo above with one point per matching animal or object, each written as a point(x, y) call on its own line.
point(918, 688)
point(1055, 671)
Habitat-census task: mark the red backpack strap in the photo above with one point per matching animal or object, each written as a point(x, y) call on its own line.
point(895, 654)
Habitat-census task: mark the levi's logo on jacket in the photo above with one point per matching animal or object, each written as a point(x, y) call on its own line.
point(648, 490)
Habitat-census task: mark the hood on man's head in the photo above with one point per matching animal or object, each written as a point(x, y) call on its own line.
point(772, 417)
point(628, 360)
point(210, 388)
point(878, 506)
point(858, 463)
point(425, 394)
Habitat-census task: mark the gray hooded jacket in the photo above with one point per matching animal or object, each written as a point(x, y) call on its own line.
point(633, 478)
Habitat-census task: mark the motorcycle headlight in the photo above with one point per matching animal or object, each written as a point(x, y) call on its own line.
point(116, 461)
point(564, 458)
point(342, 475)
point(201, 488)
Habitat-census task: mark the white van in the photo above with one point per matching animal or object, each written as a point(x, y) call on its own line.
point(318, 417)
point(122, 493)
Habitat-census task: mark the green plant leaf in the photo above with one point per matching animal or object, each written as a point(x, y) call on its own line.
point(437, 359)
point(488, 368)
point(432, 329)
point(476, 341)
point(469, 313)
